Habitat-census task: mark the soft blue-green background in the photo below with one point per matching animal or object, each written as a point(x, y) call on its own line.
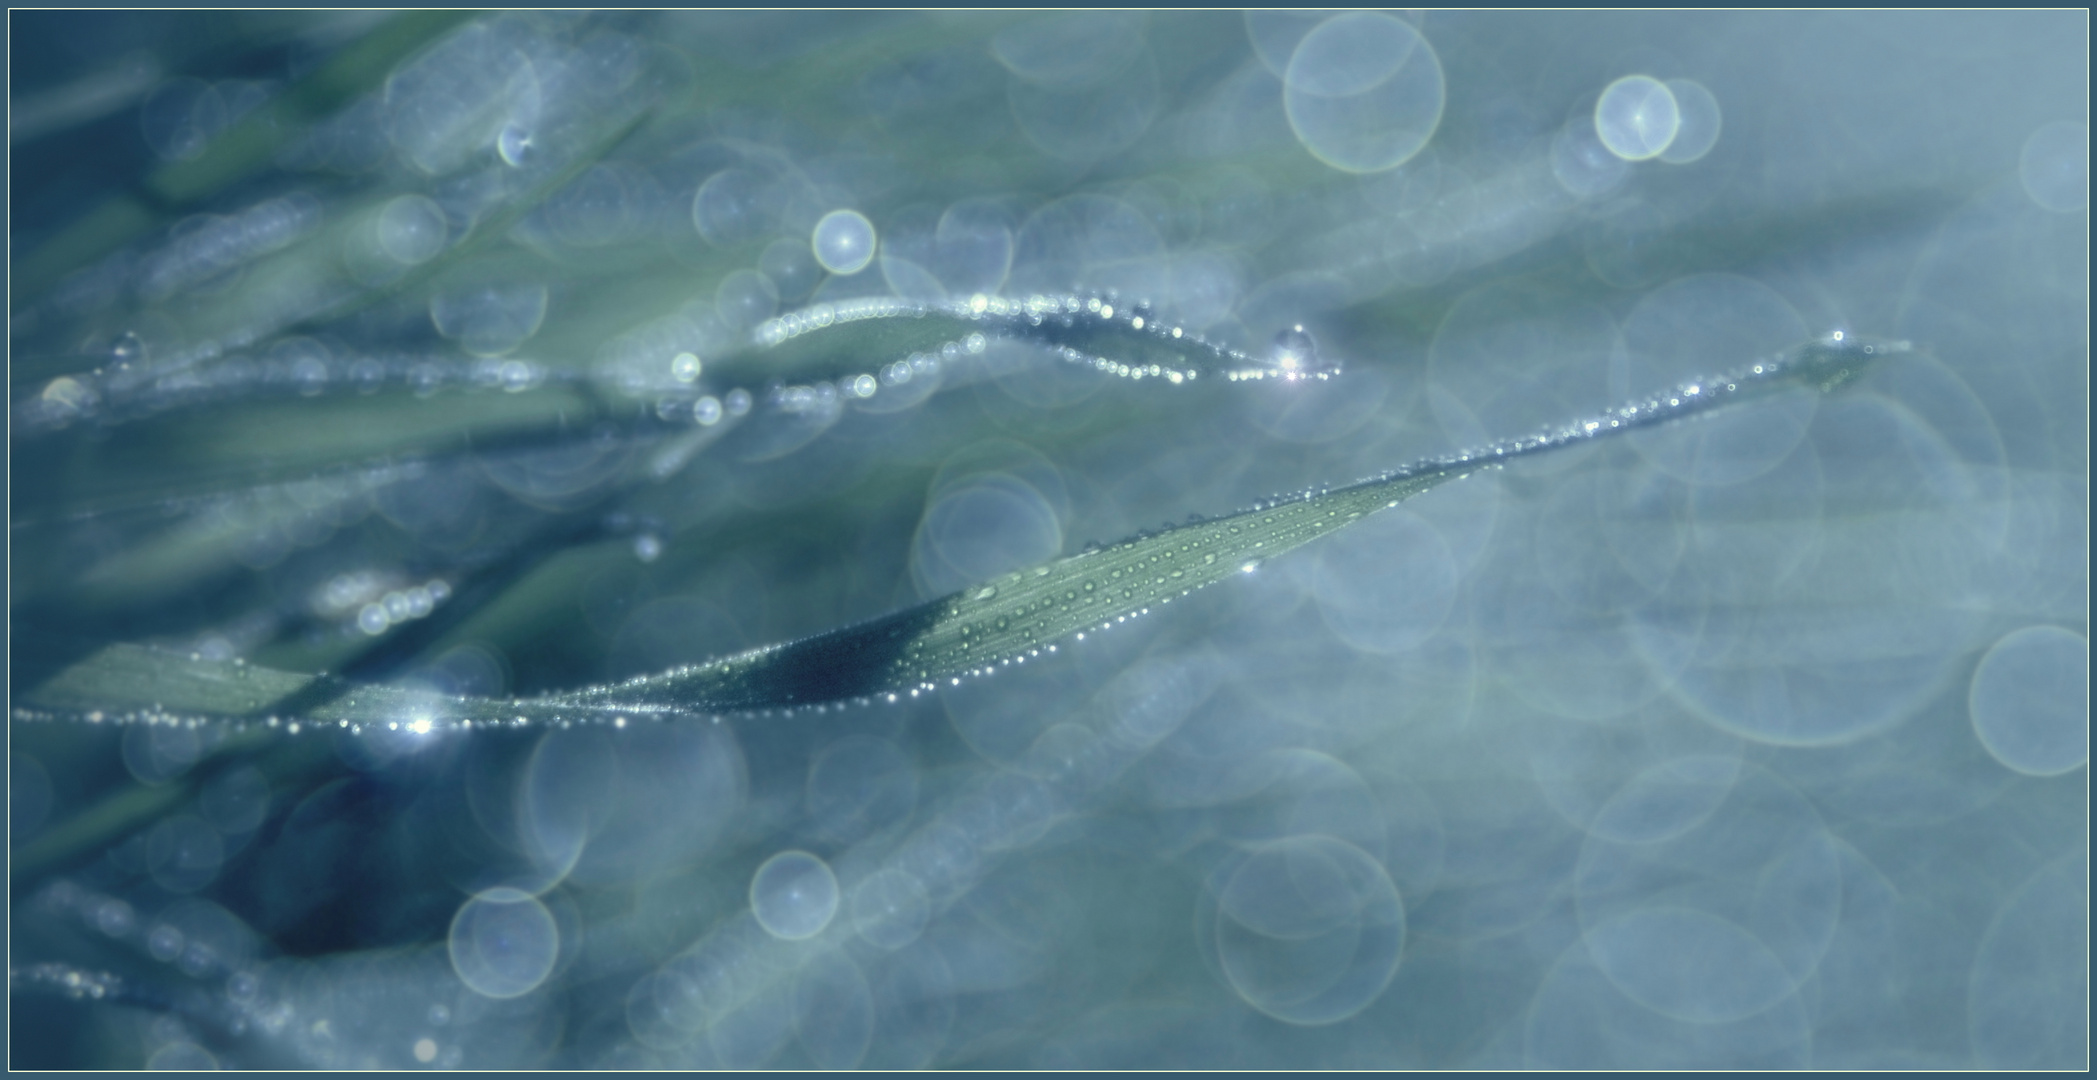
point(1760, 742)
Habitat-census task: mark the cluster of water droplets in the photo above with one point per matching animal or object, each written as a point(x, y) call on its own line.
point(209, 949)
point(122, 390)
point(1066, 325)
point(379, 608)
point(1824, 364)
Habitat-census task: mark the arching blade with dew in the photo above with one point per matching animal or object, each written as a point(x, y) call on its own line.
point(1022, 614)
point(1101, 332)
point(995, 624)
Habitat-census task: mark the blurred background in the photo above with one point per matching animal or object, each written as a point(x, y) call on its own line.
point(385, 345)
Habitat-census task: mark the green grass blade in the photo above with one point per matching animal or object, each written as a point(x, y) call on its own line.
point(833, 342)
point(998, 623)
point(972, 632)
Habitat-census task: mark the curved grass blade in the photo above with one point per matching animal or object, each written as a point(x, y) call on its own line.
point(1022, 614)
point(1099, 331)
point(972, 632)
point(819, 358)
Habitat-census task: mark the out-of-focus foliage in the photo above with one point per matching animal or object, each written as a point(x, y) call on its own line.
point(422, 350)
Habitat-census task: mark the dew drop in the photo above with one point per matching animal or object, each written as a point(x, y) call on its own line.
point(1295, 350)
point(127, 348)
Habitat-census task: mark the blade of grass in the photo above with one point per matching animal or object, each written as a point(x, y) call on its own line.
point(969, 633)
